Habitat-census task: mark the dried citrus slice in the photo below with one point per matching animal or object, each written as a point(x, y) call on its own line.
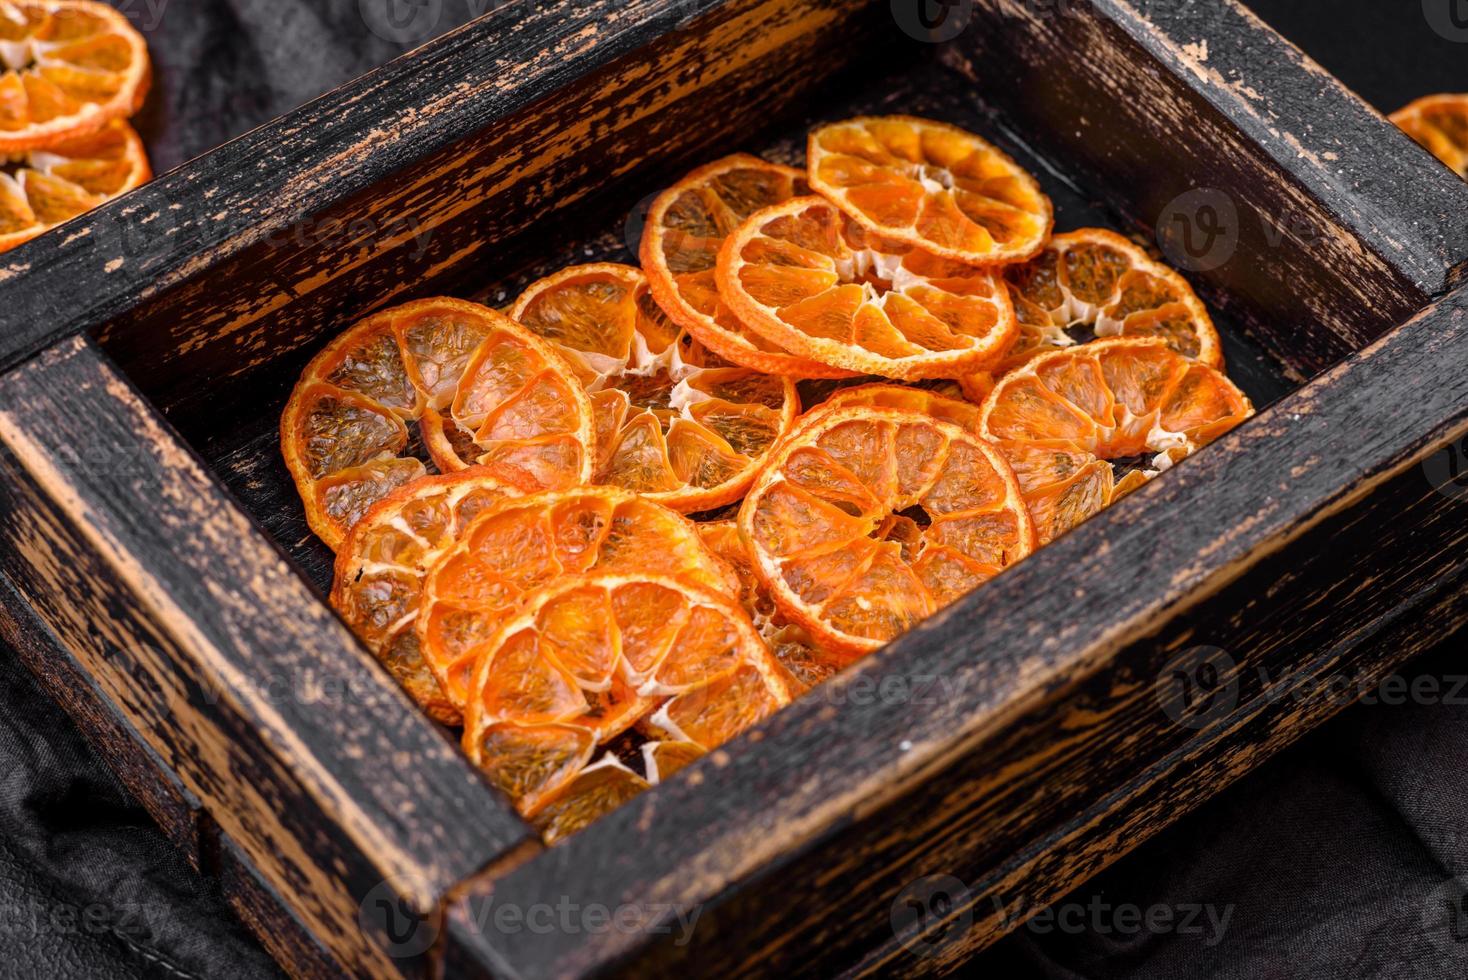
point(961, 413)
point(382, 563)
point(520, 545)
point(1071, 419)
point(1439, 123)
point(596, 791)
point(41, 188)
point(660, 760)
point(71, 66)
point(596, 652)
point(865, 520)
point(673, 422)
point(818, 284)
point(1095, 283)
point(930, 185)
point(804, 660)
point(685, 226)
point(507, 392)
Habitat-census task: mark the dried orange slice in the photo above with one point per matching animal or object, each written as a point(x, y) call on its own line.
point(865, 520)
point(41, 188)
point(811, 280)
point(1071, 419)
point(597, 652)
point(932, 186)
point(596, 791)
point(1095, 283)
point(382, 563)
point(804, 660)
point(71, 67)
point(673, 422)
point(509, 395)
point(685, 226)
point(961, 413)
point(520, 545)
point(660, 760)
point(1439, 123)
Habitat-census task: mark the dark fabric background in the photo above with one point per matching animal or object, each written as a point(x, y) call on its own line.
point(1336, 859)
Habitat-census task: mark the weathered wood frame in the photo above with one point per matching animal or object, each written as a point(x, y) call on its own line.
point(156, 610)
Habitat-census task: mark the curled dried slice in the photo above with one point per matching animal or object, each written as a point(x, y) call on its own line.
point(673, 421)
point(1439, 123)
point(597, 652)
point(660, 760)
point(1095, 283)
point(961, 413)
point(70, 68)
point(866, 520)
point(517, 546)
point(1073, 421)
point(507, 394)
point(811, 280)
point(685, 226)
point(382, 564)
point(804, 660)
point(596, 791)
point(930, 185)
point(42, 188)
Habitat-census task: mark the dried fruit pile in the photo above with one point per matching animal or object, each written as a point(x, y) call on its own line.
point(74, 72)
point(546, 592)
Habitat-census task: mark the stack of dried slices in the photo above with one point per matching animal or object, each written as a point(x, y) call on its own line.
point(544, 590)
point(75, 71)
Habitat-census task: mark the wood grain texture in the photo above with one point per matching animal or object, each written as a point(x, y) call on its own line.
point(1040, 750)
point(177, 812)
point(240, 679)
point(1301, 208)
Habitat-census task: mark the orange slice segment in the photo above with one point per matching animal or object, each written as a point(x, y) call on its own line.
point(488, 385)
point(932, 186)
point(382, 563)
point(521, 545)
point(1072, 421)
point(598, 790)
point(805, 661)
point(866, 520)
point(961, 413)
point(70, 68)
point(1098, 282)
point(596, 652)
point(1439, 123)
point(42, 188)
point(660, 760)
point(816, 283)
point(674, 422)
point(686, 225)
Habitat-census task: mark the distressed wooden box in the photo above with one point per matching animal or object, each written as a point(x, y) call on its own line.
point(160, 580)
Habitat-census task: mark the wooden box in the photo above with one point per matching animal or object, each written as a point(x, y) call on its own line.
point(161, 582)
